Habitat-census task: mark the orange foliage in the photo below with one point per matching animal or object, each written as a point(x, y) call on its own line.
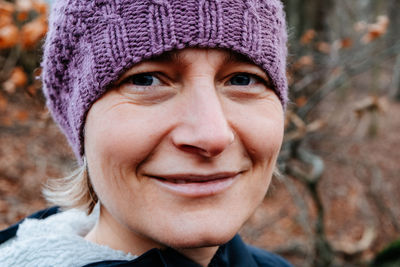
point(8, 36)
point(6, 121)
point(27, 5)
point(346, 43)
point(22, 116)
point(301, 101)
point(5, 19)
point(40, 7)
point(22, 16)
point(308, 36)
point(3, 103)
point(304, 61)
point(6, 8)
point(324, 47)
point(32, 89)
point(360, 26)
point(376, 29)
point(18, 78)
point(33, 31)
point(23, 5)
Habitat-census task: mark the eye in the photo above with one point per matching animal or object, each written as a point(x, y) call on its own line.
point(147, 87)
point(244, 79)
point(143, 79)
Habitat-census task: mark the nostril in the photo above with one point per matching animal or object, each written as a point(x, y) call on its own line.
point(199, 151)
point(202, 141)
point(194, 150)
point(205, 150)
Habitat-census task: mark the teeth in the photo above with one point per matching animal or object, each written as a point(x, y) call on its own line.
point(180, 181)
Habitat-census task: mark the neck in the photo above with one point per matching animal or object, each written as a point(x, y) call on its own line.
point(201, 256)
point(108, 232)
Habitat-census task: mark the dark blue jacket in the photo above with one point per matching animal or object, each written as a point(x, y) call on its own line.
point(234, 253)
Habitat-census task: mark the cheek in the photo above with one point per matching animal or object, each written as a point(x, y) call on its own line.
point(116, 143)
point(268, 141)
point(262, 135)
point(120, 139)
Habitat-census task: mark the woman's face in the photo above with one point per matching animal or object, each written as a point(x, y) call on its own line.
point(182, 151)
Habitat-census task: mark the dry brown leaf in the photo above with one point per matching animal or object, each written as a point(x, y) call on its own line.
point(23, 5)
point(301, 101)
point(32, 89)
point(361, 245)
point(33, 32)
point(301, 127)
point(304, 61)
point(315, 126)
point(18, 77)
point(6, 121)
point(8, 36)
point(40, 7)
point(5, 19)
point(308, 36)
point(9, 87)
point(3, 103)
point(324, 47)
point(372, 35)
point(346, 43)
point(6, 8)
point(22, 16)
point(22, 115)
point(376, 30)
point(360, 26)
point(383, 21)
point(369, 104)
point(300, 130)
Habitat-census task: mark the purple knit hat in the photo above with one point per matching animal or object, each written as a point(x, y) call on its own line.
point(91, 43)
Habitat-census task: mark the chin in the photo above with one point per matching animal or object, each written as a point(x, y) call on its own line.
point(200, 239)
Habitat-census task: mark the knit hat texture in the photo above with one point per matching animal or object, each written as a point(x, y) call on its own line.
point(91, 43)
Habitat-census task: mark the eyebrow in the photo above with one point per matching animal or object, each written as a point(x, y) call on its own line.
point(231, 57)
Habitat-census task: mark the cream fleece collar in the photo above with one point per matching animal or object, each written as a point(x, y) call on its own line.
point(57, 241)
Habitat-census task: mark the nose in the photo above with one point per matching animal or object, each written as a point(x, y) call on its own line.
point(204, 129)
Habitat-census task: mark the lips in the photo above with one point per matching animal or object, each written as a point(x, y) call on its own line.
point(193, 178)
point(194, 185)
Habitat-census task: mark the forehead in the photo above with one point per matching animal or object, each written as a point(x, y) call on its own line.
point(187, 55)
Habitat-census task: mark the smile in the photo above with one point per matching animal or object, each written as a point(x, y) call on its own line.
point(190, 185)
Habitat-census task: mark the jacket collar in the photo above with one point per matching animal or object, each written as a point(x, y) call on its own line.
point(233, 253)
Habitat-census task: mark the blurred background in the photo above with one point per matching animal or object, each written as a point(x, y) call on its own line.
point(337, 200)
